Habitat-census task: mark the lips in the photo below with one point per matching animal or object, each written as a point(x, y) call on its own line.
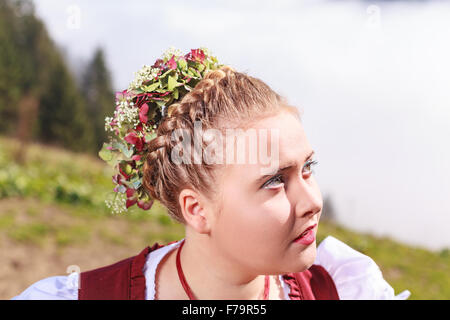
point(305, 232)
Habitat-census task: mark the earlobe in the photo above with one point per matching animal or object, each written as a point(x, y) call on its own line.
point(193, 211)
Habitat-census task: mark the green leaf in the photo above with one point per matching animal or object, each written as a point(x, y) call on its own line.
point(117, 145)
point(123, 148)
point(195, 73)
point(192, 73)
point(166, 73)
point(150, 136)
point(175, 93)
point(152, 87)
point(104, 153)
point(182, 64)
point(171, 83)
point(200, 67)
point(128, 152)
point(185, 73)
point(128, 169)
point(136, 183)
point(122, 189)
point(115, 159)
point(161, 103)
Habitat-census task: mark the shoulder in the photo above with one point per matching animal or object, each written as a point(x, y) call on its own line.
point(355, 275)
point(52, 288)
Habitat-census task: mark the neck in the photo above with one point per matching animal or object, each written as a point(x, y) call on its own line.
point(212, 275)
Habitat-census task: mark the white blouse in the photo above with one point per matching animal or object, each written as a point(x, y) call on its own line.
point(356, 276)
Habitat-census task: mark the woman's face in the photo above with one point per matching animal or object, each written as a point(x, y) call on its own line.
point(259, 219)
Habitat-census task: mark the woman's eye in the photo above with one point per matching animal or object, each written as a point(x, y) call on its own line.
point(309, 164)
point(274, 182)
point(279, 180)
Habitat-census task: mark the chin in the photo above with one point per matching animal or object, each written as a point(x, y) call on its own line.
point(305, 260)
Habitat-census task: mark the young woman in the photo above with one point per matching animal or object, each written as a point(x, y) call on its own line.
point(251, 210)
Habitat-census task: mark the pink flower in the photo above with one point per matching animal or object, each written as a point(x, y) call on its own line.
point(121, 94)
point(161, 95)
point(196, 55)
point(130, 202)
point(158, 63)
point(136, 157)
point(143, 113)
point(145, 204)
point(171, 63)
point(139, 145)
point(117, 179)
point(139, 127)
point(132, 138)
point(130, 192)
point(126, 176)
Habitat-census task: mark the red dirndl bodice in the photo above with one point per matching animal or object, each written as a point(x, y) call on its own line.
point(125, 280)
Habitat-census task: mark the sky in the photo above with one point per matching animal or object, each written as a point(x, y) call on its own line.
point(371, 78)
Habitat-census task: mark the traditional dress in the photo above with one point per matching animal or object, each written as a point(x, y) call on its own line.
point(339, 272)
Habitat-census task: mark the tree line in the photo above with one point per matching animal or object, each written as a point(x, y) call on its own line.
point(40, 98)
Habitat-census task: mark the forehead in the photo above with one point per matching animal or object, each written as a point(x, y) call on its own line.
point(284, 140)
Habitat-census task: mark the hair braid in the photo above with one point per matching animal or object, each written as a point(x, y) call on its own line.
point(221, 97)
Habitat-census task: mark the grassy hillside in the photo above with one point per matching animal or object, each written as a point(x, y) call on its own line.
point(52, 216)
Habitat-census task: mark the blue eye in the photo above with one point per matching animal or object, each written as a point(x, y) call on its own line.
point(309, 164)
point(278, 179)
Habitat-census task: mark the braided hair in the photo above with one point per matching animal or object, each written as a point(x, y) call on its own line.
point(224, 98)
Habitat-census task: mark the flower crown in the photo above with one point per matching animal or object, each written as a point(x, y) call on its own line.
point(139, 111)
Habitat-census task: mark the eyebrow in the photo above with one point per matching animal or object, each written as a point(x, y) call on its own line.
point(284, 167)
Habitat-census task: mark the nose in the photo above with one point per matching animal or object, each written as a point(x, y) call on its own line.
point(306, 197)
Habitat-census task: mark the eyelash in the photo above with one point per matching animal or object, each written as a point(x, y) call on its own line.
point(309, 164)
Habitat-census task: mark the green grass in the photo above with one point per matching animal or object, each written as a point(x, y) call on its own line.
point(74, 186)
point(70, 235)
point(6, 221)
point(30, 233)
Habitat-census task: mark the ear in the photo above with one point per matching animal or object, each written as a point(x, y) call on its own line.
point(194, 211)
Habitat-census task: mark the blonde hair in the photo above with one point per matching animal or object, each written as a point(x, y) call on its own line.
point(222, 97)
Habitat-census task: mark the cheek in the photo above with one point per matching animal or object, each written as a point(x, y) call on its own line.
point(255, 230)
point(260, 218)
point(277, 209)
